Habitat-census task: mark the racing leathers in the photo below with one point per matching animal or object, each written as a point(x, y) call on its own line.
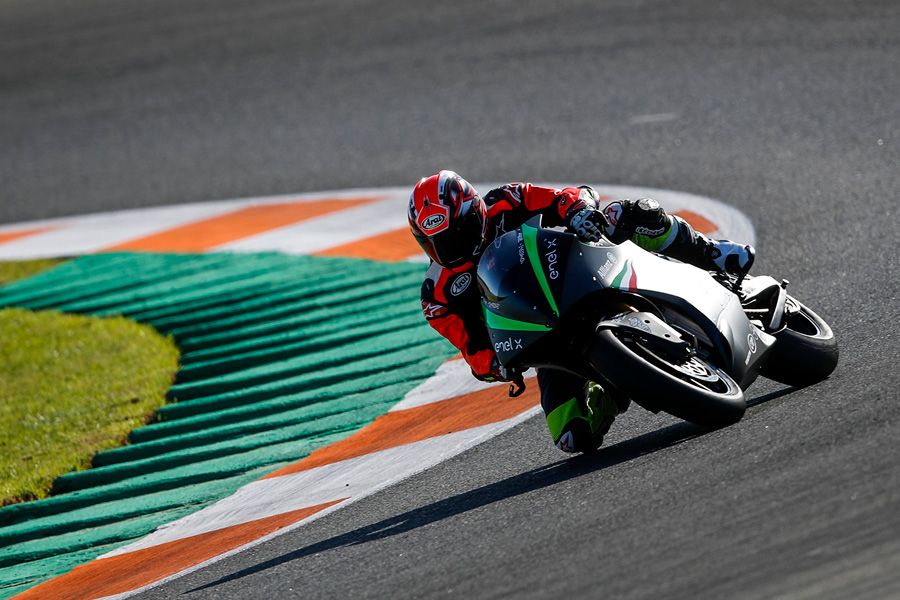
point(578, 412)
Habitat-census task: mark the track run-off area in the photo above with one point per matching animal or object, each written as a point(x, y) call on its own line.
point(289, 364)
point(785, 113)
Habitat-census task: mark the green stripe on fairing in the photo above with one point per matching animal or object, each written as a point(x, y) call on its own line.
point(281, 355)
point(529, 234)
point(495, 321)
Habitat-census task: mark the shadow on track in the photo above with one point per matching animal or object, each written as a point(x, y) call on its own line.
point(542, 477)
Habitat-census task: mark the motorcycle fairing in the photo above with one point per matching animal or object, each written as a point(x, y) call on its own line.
point(521, 275)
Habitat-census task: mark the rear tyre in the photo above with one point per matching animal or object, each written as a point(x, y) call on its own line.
point(691, 389)
point(806, 351)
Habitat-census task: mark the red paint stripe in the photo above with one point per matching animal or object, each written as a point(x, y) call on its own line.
point(698, 222)
point(133, 570)
point(420, 423)
point(245, 222)
point(8, 236)
point(395, 246)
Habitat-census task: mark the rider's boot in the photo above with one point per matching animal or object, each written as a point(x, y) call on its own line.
point(650, 227)
point(730, 257)
point(579, 425)
point(695, 248)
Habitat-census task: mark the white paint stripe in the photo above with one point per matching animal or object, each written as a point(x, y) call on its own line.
point(90, 233)
point(363, 476)
point(484, 433)
point(355, 477)
point(85, 234)
point(654, 118)
point(327, 231)
point(453, 378)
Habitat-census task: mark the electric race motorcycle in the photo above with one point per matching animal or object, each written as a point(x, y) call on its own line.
point(668, 335)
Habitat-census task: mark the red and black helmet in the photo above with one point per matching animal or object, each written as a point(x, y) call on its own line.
point(449, 220)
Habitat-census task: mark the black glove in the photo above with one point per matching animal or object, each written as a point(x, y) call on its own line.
point(587, 223)
point(498, 373)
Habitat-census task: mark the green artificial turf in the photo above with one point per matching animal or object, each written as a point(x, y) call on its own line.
point(71, 386)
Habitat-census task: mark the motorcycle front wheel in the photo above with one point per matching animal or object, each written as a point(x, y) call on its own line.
point(690, 389)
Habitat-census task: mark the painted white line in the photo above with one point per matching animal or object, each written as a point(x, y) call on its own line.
point(355, 478)
point(352, 478)
point(324, 232)
point(71, 236)
point(453, 378)
point(654, 118)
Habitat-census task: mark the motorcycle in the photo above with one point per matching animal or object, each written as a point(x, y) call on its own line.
point(665, 334)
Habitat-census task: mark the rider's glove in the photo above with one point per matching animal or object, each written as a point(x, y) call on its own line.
point(587, 223)
point(498, 373)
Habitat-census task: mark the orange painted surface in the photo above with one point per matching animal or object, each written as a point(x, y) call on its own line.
point(395, 246)
point(698, 222)
point(126, 572)
point(8, 236)
point(420, 423)
point(252, 220)
point(399, 244)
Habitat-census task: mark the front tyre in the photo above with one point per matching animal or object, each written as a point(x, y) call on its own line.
point(690, 389)
point(806, 350)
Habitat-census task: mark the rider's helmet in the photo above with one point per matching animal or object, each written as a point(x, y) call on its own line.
point(449, 220)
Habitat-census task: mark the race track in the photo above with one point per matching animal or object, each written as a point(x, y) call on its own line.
point(788, 111)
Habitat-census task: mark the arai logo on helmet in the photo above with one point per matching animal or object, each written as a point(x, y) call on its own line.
point(460, 284)
point(433, 222)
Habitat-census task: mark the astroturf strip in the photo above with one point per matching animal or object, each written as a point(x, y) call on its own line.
point(210, 431)
point(250, 355)
point(281, 355)
point(315, 365)
point(415, 371)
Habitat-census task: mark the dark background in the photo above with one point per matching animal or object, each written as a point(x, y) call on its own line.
point(787, 110)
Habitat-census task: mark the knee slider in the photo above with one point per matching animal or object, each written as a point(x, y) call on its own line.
point(647, 214)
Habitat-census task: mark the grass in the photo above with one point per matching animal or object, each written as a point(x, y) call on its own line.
point(19, 269)
point(71, 386)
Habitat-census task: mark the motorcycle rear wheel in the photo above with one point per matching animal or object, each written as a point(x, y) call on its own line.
point(806, 351)
point(693, 389)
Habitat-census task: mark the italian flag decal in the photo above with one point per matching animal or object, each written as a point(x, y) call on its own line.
point(626, 278)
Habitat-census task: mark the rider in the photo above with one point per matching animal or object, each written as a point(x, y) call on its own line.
point(453, 224)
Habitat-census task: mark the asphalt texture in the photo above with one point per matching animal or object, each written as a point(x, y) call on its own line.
point(789, 111)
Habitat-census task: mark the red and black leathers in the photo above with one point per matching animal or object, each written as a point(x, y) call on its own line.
point(578, 412)
point(450, 299)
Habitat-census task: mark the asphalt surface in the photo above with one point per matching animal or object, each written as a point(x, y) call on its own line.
point(786, 110)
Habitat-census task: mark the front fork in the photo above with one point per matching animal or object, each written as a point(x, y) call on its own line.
point(764, 301)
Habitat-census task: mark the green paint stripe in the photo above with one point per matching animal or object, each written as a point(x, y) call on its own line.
point(373, 383)
point(315, 364)
point(529, 234)
point(281, 356)
point(354, 295)
point(313, 314)
point(258, 354)
point(211, 430)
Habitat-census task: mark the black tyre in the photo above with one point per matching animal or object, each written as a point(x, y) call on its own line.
point(693, 389)
point(806, 351)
